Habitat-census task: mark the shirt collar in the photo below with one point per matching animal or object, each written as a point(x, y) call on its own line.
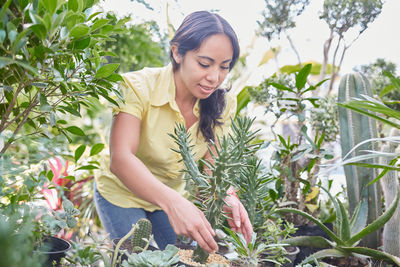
point(164, 90)
point(160, 96)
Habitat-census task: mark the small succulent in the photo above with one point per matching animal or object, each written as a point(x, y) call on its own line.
point(157, 258)
point(61, 219)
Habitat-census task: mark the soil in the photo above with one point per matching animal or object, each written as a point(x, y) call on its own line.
point(186, 255)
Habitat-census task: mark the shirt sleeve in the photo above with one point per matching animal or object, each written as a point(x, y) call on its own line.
point(135, 98)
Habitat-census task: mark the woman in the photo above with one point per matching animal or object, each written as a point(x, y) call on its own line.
point(145, 178)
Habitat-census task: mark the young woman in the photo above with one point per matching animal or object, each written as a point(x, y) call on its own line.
point(144, 178)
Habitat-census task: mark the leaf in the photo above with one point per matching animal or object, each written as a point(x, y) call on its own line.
point(313, 194)
point(96, 149)
point(106, 70)
point(87, 167)
point(375, 254)
point(79, 30)
point(79, 152)
point(308, 241)
point(4, 61)
point(301, 77)
point(75, 130)
point(50, 5)
point(2, 35)
point(378, 223)
point(98, 24)
point(332, 235)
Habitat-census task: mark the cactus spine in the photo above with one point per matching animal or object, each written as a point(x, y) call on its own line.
point(355, 128)
point(389, 183)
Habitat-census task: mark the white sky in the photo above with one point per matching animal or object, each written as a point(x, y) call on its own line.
point(380, 40)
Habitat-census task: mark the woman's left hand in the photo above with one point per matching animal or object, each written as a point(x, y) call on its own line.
point(238, 218)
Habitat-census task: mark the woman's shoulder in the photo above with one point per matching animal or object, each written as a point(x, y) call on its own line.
point(145, 78)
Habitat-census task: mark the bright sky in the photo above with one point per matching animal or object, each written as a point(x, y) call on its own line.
point(380, 40)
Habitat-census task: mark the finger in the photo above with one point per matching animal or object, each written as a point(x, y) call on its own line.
point(205, 241)
point(235, 211)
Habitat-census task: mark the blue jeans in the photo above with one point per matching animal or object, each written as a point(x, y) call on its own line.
point(118, 221)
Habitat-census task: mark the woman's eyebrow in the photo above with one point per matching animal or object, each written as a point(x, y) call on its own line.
point(212, 60)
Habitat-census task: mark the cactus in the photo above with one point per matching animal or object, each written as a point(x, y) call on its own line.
point(158, 258)
point(389, 183)
point(230, 156)
point(355, 128)
point(141, 235)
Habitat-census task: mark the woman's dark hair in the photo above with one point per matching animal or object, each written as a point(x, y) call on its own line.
point(196, 28)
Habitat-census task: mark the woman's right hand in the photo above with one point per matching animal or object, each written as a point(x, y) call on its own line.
point(188, 220)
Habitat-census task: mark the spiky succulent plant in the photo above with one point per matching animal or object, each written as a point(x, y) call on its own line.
point(231, 152)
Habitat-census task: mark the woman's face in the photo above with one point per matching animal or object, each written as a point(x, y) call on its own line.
point(202, 71)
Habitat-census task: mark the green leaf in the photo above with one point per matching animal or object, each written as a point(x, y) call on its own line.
point(75, 130)
point(82, 44)
point(39, 30)
point(73, 5)
point(375, 254)
point(79, 152)
point(378, 223)
point(332, 235)
point(50, 5)
point(308, 241)
point(98, 24)
point(325, 253)
point(301, 77)
point(4, 61)
point(87, 167)
point(79, 30)
point(2, 35)
point(106, 70)
point(96, 149)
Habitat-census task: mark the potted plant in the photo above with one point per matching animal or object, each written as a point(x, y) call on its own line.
point(348, 232)
point(229, 157)
point(54, 248)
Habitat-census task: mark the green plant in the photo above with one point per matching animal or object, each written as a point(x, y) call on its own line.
point(141, 235)
point(51, 63)
point(347, 234)
point(274, 235)
point(296, 155)
point(354, 129)
point(141, 238)
point(229, 157)
point(17, 238)
point(157, 258)
point(60, 219)
point(249, 254)
point(389, 183)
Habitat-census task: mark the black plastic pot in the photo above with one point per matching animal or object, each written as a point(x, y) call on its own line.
point(309, 230)
point(54, 249)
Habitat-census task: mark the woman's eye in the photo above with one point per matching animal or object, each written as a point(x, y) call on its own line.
point(203, 65)
point(225, 67)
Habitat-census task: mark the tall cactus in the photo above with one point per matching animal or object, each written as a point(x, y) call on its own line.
point(389, 182)
point(355, 128)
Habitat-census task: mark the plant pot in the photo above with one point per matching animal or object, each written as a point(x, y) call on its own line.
point(54, 249)
point(187, 250)
point(126, 245)
point(309, 230)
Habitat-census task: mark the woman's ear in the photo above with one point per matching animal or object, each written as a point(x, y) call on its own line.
point(175, 54)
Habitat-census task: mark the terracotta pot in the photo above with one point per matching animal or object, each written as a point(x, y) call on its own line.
point(54, 249)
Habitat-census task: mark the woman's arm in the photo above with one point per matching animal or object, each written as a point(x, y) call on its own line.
point(184, 216)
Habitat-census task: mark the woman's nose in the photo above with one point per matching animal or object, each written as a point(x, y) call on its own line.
point(213, 75)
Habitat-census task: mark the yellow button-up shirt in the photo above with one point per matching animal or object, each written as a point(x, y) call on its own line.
point(149, 94)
